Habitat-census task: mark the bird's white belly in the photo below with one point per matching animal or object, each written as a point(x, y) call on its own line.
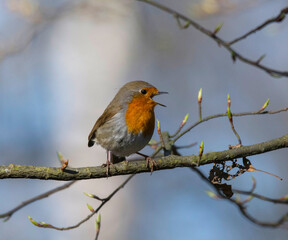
point(114, 137)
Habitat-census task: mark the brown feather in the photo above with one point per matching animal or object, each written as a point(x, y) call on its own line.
point(107, 114)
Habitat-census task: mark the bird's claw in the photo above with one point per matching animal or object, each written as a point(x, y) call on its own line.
point(150, 163)
point(64, 165)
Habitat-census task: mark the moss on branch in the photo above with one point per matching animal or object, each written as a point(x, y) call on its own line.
point(138, 166)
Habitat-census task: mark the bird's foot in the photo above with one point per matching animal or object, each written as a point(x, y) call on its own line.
point(150, 162)
point(64, 165)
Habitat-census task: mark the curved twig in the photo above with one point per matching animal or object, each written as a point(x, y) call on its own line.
point(241, 206)
point(105, 200)
point(262, 197)
point(8, 214)
point(279, 18)
point(234, 54)
point(224, 115)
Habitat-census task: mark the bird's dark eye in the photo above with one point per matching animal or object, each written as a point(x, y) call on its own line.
point(143, 91)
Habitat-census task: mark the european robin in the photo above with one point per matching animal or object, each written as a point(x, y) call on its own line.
point(127, 124)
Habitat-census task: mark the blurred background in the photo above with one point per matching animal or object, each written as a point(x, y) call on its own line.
point(62, 62)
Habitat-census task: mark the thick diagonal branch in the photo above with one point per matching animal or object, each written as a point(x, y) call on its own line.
point(139, 166)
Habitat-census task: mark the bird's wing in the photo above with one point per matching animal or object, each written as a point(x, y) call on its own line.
point(108, 114)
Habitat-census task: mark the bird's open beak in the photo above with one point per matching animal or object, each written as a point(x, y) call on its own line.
point(159, 93)
point(161, 104)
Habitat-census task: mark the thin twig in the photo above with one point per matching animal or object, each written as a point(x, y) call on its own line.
point(230, 117)
point(276, 19)
point(252, 169)
point(177, 131)
point(183, 123)
point(235, 55)
point(273, 200)
point(160, 135)
point(200, 111)
point(235, 132)
point(105, 200)
point(224, 115)
point(242, 207)
point(8, 214)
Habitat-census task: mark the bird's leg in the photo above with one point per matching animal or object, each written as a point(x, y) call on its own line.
point(108, 162)
point(150, 162)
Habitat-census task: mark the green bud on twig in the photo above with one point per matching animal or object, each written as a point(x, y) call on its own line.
point(266, 103)
point(90, 208)
point(233, 55)
point(212, 194)
point(217, 29)
point(200, 96)
point(158, 125)
point(89, 195)
point(261, 58)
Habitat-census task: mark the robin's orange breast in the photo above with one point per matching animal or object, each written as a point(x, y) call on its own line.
point(140, 116)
